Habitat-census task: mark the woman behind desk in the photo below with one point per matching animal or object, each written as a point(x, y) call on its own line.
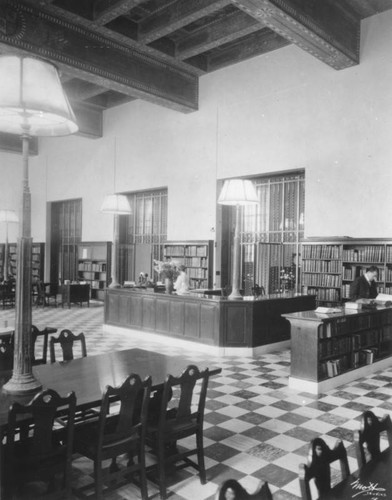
point(181, 286)
point(365, 286)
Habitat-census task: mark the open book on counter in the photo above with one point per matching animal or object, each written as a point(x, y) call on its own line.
point(382, 299)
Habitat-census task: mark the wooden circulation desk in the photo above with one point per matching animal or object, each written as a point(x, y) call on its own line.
point(328, 350)
point(209, 320)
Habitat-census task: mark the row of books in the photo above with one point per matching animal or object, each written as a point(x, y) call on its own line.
point(333, 367)
point(92, 266)
point(389, 254)
point(188, 251)
point(351, 272)
point(323, 294)
point(364, 339)
point(335, 346)
point(364, 357)
point(197, 273)
point(350, 324)
point(367, 253)
point(195, 262)
point(321, 266)
point(196, 250)
point(327, 280)
point(321, 252)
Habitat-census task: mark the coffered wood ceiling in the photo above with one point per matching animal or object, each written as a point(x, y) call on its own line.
point(111, 52)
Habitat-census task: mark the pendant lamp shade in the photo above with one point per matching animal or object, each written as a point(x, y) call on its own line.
point(8, 216)
point(116, 204)
point(32, 99)
point(238, 192)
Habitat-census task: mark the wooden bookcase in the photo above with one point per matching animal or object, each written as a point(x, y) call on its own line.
point(197, 256)
point(37, 258)
point(330, 266)
point(329, 350)
point(94, 262)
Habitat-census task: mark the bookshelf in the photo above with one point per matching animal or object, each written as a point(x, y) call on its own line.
point(329, 350)
point(2, 247)
point(197, 256)
point(37, 260)
point(94, 260)
point(330, 266)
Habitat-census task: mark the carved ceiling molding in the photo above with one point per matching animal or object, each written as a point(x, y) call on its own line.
point(37, 32)
point(304, 32)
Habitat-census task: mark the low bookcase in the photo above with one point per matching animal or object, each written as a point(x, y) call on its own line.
point(328, 350)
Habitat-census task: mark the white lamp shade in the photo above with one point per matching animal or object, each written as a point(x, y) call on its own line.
point(31, 94)
point(116, 204)
point(238, 192)
point(8, 216)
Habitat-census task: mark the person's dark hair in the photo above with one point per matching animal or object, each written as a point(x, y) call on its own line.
point(182, 267)
point(239, 491)
point(372, 269)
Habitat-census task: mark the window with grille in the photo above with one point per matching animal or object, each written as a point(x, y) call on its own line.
point(66, 228)
point(142, 233)
point(270, 233)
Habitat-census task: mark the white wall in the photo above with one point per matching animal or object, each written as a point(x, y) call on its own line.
point(282, 111)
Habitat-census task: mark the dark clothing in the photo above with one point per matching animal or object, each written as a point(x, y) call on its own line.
point(361, 289)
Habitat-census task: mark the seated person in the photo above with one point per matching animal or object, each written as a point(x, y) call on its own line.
point(365, 286)
point(181, 285)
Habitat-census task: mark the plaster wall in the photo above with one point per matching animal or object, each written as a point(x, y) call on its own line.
point(282, 111)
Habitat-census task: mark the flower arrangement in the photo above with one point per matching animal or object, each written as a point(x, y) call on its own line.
point(287, 278)
point(168, 269)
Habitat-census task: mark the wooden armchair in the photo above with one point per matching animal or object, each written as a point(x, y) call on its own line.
point(35, 333)
point(367, 439)
point(117, 434)
point(318, 467)
point(6, 356)
point(33, 460)
point(233, 490)
point(177, 420)
point(67, 339)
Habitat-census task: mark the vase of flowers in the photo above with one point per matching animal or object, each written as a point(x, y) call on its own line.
point(167, 272)
point(287, 279)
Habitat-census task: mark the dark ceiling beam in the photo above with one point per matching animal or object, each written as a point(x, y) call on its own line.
point(79, 90)
point(79, 14)
point(257, 44)
point(321, 28)
point(99, 60)
point(107, 10)
point(89, 119)
point(229, 28)
point(175, 16)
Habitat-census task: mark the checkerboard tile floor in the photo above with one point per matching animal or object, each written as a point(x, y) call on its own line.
point(256, 428)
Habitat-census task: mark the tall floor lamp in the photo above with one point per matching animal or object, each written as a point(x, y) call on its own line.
point(237, 192)
point(7, 216)
point(116, 204)
point(32, 103)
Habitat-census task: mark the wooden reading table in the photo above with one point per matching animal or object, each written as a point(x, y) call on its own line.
point(89, 376)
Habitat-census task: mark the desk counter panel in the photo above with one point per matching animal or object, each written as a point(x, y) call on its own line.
point(209, 320)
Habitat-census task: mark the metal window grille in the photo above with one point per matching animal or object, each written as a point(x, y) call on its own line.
point(145, 228)
point(271, 233)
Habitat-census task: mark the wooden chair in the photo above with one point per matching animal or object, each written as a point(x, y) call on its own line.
point(45, 293)
point(7, 294)
point(233, 490)
point(66, 339)
point(34, 459)
point(35, 333)
point(6, 356)
point(177, 420)
point(117, 434)
point(318, 468)
point(367, 439)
